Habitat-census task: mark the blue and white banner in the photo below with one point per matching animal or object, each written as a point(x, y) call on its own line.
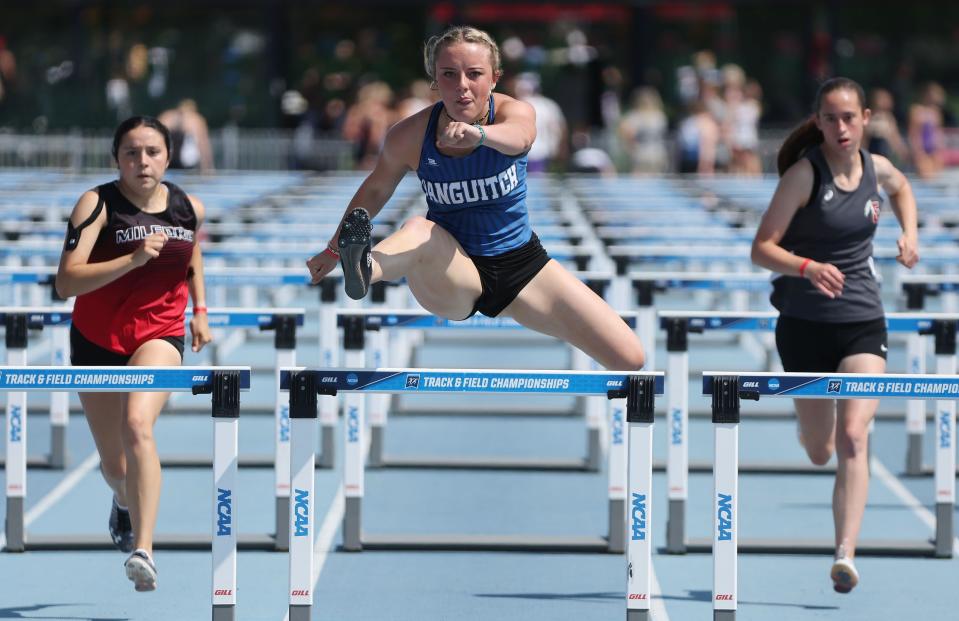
point(743, 323)
point(45, 316)
point(250, 318)
point(112, 379)
point(477, 381)
point(844, 385)
point(425, 321)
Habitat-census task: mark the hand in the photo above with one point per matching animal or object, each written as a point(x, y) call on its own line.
point(321, 264)
point(908, 250)
point(150, 248)
point(826, 277)
point(461, 135)
point(200, 329)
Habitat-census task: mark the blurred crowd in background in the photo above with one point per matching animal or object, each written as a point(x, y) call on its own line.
point(648, 87)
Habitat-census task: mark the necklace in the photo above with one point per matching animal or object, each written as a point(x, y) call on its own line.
point(480, 120)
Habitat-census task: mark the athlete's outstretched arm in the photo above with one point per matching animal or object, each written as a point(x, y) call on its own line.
point(392, 165)
point(75, 275)
point(790, 196)
point(199, 326)
point(903, 203)
point(512, 133)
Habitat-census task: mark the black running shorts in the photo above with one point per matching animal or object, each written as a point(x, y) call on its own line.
point(84, 353)
point(504, 275)
point(818, 347)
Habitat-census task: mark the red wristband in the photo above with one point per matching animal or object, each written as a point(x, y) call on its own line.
point(802, 267)
point(199, 309)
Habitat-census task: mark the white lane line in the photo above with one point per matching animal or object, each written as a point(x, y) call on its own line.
point(324, 538)
point(657, 604)
point(907, 498)
point(59, 491)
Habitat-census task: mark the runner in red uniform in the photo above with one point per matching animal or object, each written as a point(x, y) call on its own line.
point(131, 259)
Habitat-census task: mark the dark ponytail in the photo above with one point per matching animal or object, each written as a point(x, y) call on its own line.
point(797, 143)
point(808, 135)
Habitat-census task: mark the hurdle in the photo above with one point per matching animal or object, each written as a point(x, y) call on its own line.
point(917, 287)
point(356, 382)
point(17, 321)
point(224, 383)
point(360, 351)
point(728, 388)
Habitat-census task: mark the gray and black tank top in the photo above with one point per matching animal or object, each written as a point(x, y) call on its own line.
point(835, 227)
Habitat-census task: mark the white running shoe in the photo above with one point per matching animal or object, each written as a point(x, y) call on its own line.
point(141, 570)
point(843, 573)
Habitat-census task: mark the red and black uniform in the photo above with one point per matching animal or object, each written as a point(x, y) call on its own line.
point(148, 302)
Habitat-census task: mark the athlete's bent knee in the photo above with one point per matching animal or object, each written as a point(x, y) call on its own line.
point(819, 455)
point(852, 443)
point(632, 359)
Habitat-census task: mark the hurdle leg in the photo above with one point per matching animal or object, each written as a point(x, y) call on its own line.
point(281, 462)
point(639, 551)
point(725, 497)
point(302, 500)
point(59, 401)
point(353, 474)
point(617, 477)
point(329, 357)
point(945, 467)
point(677, 463)
point(225, 456)
point(16, 436)
point(915, 408)
point(378, 404)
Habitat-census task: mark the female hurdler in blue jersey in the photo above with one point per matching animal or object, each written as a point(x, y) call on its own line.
point(474, 250)
point(817, 233)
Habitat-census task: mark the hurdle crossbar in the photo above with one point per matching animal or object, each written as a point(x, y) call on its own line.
point(373, 351)
point(728, 388)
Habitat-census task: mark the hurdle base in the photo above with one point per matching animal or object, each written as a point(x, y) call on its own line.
point(58, 447)
point(944, 529)
point(300, 613)
point(676, 527)
point(14, 525)
point(758, 468)
point(637, 615)
point(352, 520)
point(867, 547)
point(617, 525)
point(282, 523)
point(481, 463)
point(224, 612)
point(485, 543)
point(914, 455)
point(184, 541)
point(374, 459)
point(594, 451)
point(724, 615)
point(325, 459)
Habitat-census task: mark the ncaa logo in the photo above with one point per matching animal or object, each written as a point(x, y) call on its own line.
point(773, 383)
point(351, 379)
point(412, 381)
point(834, 386)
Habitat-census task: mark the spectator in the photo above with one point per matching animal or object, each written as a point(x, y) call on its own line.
point(883, 130)
point(190, 137)
point(550, 144)
point(697, 139)
point(642, 131)
point(925, 131)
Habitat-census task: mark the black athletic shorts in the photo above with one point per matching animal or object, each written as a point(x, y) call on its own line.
point(818, 347)
point(505, 275)
point(84, 353)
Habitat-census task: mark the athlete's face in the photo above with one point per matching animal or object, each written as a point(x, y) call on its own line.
point(465, 79)
point(143, 158)
point(841, 119)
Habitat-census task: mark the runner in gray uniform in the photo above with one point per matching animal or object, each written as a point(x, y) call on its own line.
point(818, 233)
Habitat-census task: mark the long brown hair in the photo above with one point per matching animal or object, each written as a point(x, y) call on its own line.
point(807, 134)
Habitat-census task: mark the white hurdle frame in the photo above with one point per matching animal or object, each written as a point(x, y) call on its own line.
point(728, 387)
point(225, 385)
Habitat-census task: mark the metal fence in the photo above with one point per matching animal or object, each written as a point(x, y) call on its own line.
point(233, 149)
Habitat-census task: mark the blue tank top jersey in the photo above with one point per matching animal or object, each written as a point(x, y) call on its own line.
point(480, 198)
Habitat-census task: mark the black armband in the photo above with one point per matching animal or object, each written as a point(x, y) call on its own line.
point(73, 232)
